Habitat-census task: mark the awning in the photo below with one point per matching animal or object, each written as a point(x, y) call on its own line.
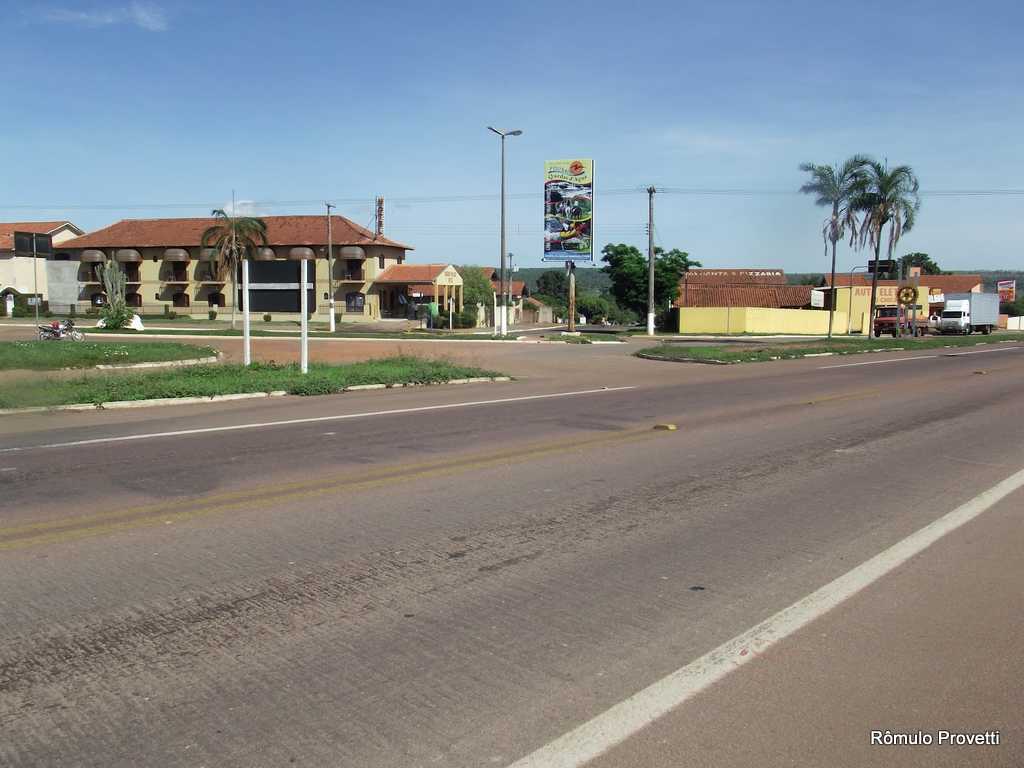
point(176, 254)
point(208, 254)
point(94, 256)
point(128, 254)
point(351, 252)
point(300, 254)
point(264, 254)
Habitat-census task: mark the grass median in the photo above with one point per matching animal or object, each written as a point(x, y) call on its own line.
point(288, 333)
point(682, 352)
point(210, 380)
point(53, 355)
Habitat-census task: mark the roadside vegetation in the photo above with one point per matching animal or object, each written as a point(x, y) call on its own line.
point(210, 380)
point(53, 355)
point(290, 333)
point(734, 353)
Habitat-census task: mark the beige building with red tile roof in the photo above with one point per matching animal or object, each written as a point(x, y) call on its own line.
point(167, 269)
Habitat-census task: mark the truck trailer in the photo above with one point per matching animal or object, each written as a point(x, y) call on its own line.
point(969, 312)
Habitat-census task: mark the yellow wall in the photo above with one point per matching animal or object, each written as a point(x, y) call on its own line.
point(756, 320)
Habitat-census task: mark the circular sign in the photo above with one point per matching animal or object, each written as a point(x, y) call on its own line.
point(907, 295)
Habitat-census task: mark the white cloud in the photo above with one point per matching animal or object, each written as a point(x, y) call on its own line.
point(144, 15)
point(712, 142)
point(242, 208)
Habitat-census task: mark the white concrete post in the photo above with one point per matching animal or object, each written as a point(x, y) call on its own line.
point(246, 338)
point(304, 325)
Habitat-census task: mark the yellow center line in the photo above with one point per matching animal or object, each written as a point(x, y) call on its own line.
point(70, 529)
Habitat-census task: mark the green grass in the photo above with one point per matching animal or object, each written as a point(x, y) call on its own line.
point(209, 380)
point(794, 350)
point(51, 355)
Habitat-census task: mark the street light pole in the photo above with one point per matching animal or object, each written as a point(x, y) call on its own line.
point(330, 266)
point(504, 256)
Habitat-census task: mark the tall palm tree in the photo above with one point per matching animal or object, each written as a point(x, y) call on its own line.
point(836, 187)
point(888, 197)
point(234, 238)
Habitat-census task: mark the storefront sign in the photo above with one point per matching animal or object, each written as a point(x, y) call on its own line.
point(1007, 290)
point(569, 210)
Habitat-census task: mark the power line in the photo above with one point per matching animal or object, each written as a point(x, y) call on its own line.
point(432, 199)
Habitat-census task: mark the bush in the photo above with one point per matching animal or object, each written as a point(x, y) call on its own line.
point(167, 310)
point(172, 315)
point(212, 314)
point(116, 316)
point(267, 318)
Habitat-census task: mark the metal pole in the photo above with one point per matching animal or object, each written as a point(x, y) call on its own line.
point(503, 277)
point(246, 328)
point(35, 276)
point(304, 324)
point(650, 261)
point(571, 268)
point(330, 266)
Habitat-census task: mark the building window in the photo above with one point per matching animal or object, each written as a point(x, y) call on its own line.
point(380, 262)
point(133, 299)
point(215, 299)
point(180, 300)
point(354, 302)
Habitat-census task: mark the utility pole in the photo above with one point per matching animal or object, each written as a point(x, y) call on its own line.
point(330, 266)
point(35, 277)
point(650, 261)
point(304, 324)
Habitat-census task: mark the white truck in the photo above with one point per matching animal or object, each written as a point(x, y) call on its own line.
point(968, 312)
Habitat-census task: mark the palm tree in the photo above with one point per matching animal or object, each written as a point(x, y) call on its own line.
point(887, 197)
point(836, 187)
point(234, 238)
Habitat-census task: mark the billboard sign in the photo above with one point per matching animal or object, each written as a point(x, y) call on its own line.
point(1007, 290)
point(818, 298)
point(32, 244)
point(569, 210)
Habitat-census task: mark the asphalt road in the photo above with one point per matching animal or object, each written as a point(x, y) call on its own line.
point(459, 575)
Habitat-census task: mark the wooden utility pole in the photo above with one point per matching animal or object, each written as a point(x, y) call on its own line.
point(650, 261)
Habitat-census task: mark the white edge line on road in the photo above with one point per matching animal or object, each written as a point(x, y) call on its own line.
point(311, 419)
point(626, 718)
point(920, 357)
point(876, 362)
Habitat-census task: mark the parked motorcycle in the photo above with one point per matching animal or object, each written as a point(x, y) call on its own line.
point(60, 329)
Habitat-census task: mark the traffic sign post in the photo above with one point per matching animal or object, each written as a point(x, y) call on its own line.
point(881, 266)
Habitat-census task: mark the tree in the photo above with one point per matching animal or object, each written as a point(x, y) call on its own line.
point(886, 198)
point(595, 308)
point(554, 282)
point(115, 312)
point(476, 288)
point(234, 238)
point(922, 260)
point(627, 268)
point(836, 187)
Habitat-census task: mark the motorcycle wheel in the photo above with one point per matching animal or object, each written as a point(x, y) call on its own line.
point(77, 336)
point(42, 336)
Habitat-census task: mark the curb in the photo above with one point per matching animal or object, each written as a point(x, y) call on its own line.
point(157, 401)
point(682, 359)
point(155, 364)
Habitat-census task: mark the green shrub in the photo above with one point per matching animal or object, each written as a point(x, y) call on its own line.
point(466, 318)
point(167, 310)
point(172, 315)
point(267, 318)
point(212, 314)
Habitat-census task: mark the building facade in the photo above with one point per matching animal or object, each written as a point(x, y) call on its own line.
point(23, 275)
point(167, 269)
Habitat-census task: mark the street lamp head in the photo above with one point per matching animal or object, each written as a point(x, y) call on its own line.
point(503, 134)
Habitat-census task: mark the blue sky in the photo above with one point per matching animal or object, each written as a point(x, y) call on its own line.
point(166, 107)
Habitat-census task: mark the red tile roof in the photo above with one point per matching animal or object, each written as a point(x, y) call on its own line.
point(8, 229)
point(764, 296)
point(411, 273)
point(946, 283)
point(735, 277)
point(281, 230)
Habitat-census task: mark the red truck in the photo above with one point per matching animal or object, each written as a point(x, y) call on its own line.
point(888, 320)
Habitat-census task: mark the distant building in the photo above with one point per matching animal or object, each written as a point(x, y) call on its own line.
point(764, 288)
point(166, 268)
point(938, 286)
point(18, 275)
